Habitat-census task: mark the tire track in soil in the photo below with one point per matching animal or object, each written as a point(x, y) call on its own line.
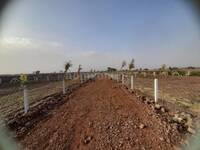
point(100, 115)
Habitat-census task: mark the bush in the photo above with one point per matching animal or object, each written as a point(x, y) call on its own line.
point(195, 73)
point(182, 73)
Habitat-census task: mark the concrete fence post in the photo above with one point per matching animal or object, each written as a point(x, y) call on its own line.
point(132, 82)
point(70, 76)
point(47, 78)
point(64, 90)
point(58, 77)
point(87, 76)
point(26, 103)
point(154, 74)
point(117, 77)
point(135, 73)
point(156, 90)
point(123, 79)
point(82, 78)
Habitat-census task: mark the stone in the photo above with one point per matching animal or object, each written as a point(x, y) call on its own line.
point(28, 124)
point(168, 140)
point(163, 110)
point(157, 107)
point(177, 118)
point(142, 126)
point(189, 122)
point(161, 138)
point(191, 130)
point(87, 139)
point(90, 124)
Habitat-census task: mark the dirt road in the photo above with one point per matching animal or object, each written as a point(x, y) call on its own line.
point(101, 115)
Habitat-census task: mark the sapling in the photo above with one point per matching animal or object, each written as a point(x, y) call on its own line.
point(67, 66)
point(131, 65)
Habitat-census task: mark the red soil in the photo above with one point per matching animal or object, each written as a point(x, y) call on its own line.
point(101, 115)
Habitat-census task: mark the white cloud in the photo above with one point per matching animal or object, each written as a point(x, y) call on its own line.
point(22, 54)
point(25, 42)
point(16, 42)
point(87, 53)
point(55, 44)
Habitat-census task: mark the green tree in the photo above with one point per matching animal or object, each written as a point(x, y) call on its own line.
point(67, 66)
point(132, 64)
point(163, 67)
point(123, 64)
point(79, 69)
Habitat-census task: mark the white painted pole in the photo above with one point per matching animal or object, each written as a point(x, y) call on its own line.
point(156, 90)
point(82, 80)
point(58, 77)
point(117, 77)
point(87, 76)
point(70, 76)
point(122, 78)
point(47, 78)
point(131, 82)
point(26, 103)
point(64, 90)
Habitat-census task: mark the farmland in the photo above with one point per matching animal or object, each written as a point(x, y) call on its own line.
point(178, 90)
point(12, 101)
point(104, 113)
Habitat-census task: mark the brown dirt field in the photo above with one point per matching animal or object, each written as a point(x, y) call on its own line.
point(184, 91)
point(102, 115)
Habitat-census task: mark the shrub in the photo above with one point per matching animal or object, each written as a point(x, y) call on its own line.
point(195, 73)
point(181, 72)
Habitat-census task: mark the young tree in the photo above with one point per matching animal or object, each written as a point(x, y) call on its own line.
point(79, 69)
point(123, 64)
point(132, 64)
point(163, 67)
point(78, 72)
point(67, 66)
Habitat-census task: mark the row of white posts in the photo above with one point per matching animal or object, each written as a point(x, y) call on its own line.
point(86, 76)
point(116, 77)
point(83, 78)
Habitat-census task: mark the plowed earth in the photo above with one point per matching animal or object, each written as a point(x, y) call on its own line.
point(102, 115)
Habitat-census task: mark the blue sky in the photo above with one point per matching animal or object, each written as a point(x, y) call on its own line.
point(42, 35)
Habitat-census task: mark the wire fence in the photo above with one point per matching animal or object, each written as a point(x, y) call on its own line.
point(15, 97)
point(179, 92)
